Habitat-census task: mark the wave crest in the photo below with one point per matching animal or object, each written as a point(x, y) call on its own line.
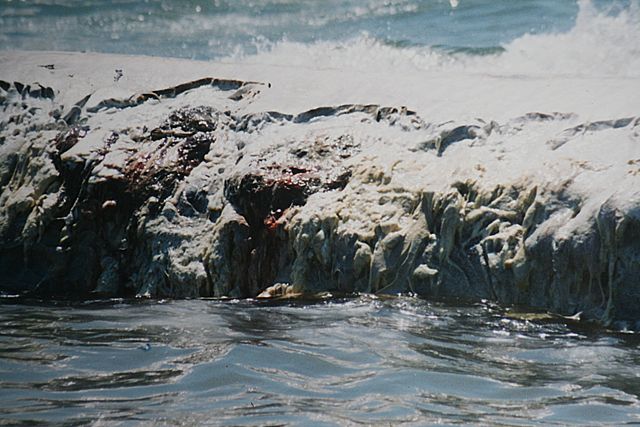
point(602, 43)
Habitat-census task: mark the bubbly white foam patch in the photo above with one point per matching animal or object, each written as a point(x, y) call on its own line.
point(602, 43)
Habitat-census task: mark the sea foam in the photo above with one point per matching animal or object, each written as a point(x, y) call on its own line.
point(602, 43)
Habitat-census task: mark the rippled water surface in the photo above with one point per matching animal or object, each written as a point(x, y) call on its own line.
point(355, 361)
point(210, 29)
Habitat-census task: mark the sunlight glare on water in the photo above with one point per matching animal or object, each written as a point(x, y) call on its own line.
point(363, 360)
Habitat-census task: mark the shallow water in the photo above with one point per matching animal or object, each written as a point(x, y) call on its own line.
point(354, 361)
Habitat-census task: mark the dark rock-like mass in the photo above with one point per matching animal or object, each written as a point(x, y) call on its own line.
point(155, 195)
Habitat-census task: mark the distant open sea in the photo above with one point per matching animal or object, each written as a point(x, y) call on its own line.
point(364, 360)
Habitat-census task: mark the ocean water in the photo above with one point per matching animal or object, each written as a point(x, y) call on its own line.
point(584, 37)
point(355, 361)
point(362, 361)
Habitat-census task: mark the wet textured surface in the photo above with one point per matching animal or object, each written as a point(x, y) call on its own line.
point(363, 360)
point(353, 163)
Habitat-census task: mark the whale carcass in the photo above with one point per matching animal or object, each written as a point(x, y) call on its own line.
point(202, 189)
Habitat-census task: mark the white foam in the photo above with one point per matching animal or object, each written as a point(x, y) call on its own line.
point(602, 43)
point(598, 45)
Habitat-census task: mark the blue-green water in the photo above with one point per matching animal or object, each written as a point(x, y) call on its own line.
point(212, 29)
point(204, 29)
point(561, 37)
point(347, 362)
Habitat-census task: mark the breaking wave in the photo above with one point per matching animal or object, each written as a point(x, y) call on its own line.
point(602, 43)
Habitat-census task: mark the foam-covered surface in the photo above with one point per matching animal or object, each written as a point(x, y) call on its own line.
point(182, 178)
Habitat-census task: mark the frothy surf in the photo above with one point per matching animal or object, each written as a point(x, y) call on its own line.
point(602, 43)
